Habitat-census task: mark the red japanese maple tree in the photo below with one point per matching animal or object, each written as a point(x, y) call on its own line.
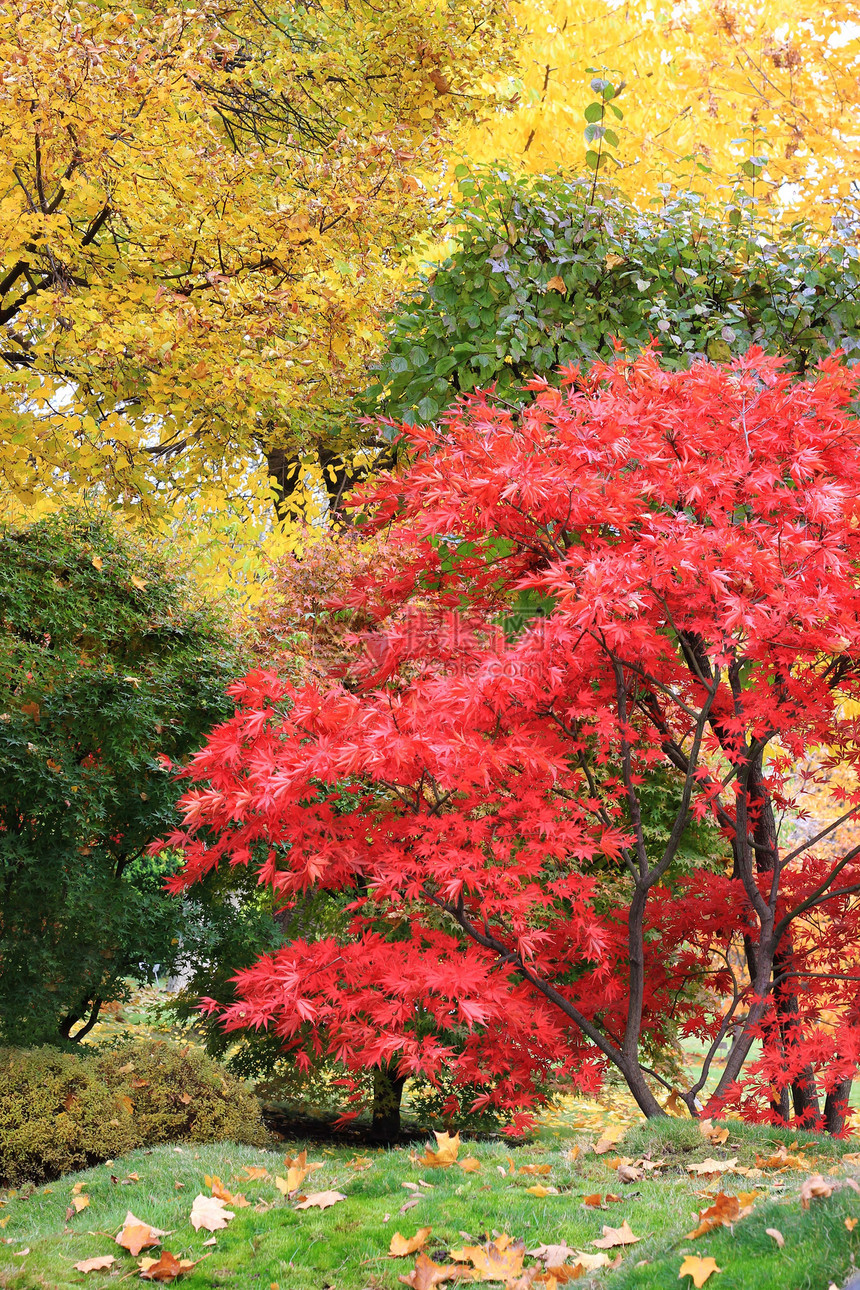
point(643, 574)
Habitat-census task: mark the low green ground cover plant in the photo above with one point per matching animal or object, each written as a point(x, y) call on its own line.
point(542, 1193)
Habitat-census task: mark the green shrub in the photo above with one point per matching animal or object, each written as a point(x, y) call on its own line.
point(179, 1092)
point(61, 1111)
point(57, 1114)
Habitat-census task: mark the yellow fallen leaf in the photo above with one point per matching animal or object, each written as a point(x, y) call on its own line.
point(710, 1166)
point(535, 1169)
point(498, 1260)
point(97, 562)
point(851, 1223)
point(446, 1155)
point(698, 1269)
point(401, 1245)
point(79, 1203)
point(77, 1189)
point(141, 586)
point(470, 1165)
point(539, 1190)
point(608, 1138)
point(426, 1274)
point(254, 1172)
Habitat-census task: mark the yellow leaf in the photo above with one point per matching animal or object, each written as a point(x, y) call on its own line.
point(557, 284)
point(97, 562)
point(470, 1165)
point(141, 586)
point(446, 1154)
point(97, 1264)
point(698, 1269)
point(613, 1236)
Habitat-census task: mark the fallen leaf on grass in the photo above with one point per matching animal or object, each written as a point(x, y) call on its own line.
point(541, 1191)
point(498, 1260)
point(781, 1159)
point(724, 1211)
point(629, 1174)
point(552, 1254)
point(716, 1136)
point(131, 1178)
point(613, 1236)
point(321, 1199)
point(776, 1234)
point(445, 1156)
point(213, 1240)
point(409, 1204)
point(470, 1165)
point(98, 1264)
point(78, 1203)
point(535, 1169)
point(210, 1213)
point(253, 1173)
point(135, 1235)
point(608, 1139)
point(427, 1274)
point(401, 1245)
point(166, 1268)
point(812, 1187)
point(19, 1254)
point(852, 1158)
point(298, 1170)
point(710, 1166)
point(220, 1192)
point(591, 1262)
point(698, 1269)
point(78, 1188)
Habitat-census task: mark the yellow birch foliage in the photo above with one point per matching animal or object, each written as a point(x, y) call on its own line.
point(201, 211)
point(781, 78)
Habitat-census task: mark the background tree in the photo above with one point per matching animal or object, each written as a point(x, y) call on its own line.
point(200, 221)
point(105, 665)
point(707, 625)
point(705, 90)
point(548, 270)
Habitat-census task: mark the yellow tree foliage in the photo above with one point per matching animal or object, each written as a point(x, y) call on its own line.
point(713, 83)
point(201, 211)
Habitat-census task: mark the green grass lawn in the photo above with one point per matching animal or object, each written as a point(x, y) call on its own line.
point(345, 1246)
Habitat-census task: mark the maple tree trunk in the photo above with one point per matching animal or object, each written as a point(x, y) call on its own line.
point(836, 1107)
point(387, 1096)
point(803, 1092)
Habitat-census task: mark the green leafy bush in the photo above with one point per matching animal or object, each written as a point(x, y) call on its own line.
point(545, 270)
point(62, 1111)
point(107, 667)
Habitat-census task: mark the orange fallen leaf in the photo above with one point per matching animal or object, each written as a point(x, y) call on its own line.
point(724, 1211)
point(210, 1213)
point(220, 1192)
point(594, 1201)
point(135, 1235)
point(535, 1169)
point(470, 1165)
point(97, 562)
point(698, 1269)
point(321, 1199)
point(254, 1173)
point(851, 1223)
point(427, 1274)
point(776, 1234)
point(446, 1155)
point(812, 1187)
point(613, 1236)
point(498, 1260)
point(167, 1268)
point(629, 1173)
point(401, 1245)
point(608, 1139)
point(77, 1189)
point(781, 1159)
point(716, 1136)
point(79, 1203)
point(97, 1264)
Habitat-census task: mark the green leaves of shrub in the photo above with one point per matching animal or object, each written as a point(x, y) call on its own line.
point(701, 279)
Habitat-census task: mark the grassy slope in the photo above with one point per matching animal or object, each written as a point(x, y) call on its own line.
point(344, 1247)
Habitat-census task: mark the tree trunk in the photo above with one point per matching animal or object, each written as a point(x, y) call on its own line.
point(836, 1107)
point(387, 1096)
point(284, 470)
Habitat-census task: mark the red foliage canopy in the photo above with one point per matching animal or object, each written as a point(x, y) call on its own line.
point(646, 577)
